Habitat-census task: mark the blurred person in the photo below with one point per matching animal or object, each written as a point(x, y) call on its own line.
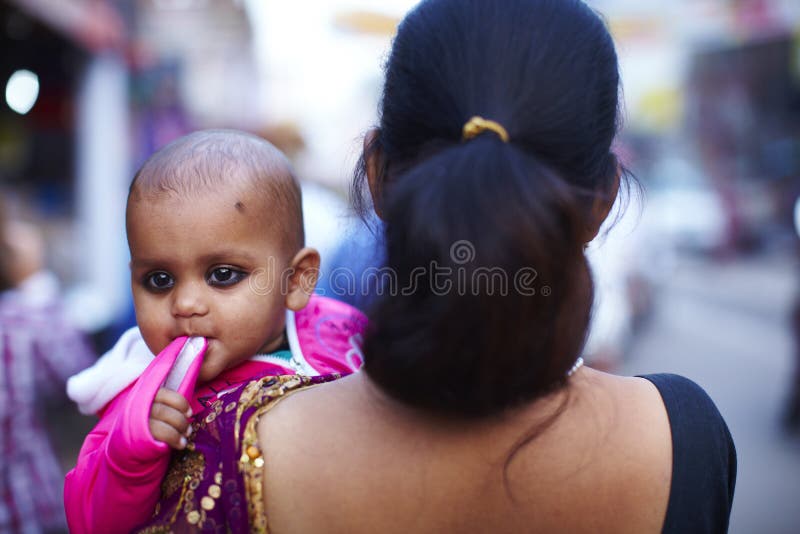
point(474, 412)
point(222, 284)
point(610, 257)
point(627, 262)
point(40, 349)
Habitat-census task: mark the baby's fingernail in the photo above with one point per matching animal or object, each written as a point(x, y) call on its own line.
point(183, 442)
point(189, 412)
point(189, 431)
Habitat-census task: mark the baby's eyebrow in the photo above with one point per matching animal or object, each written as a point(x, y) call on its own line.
point(142, 263)
point(227, 256)
point(217, 256)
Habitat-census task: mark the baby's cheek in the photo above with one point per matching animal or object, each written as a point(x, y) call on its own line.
point(154, 335)
point(242, 322)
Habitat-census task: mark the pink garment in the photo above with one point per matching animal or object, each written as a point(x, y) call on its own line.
point(120, 464)
point(116, 482)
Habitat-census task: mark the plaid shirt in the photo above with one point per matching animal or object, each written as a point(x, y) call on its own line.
point(39, 350)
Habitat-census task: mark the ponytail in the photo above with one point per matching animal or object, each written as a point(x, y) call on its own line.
point(494, 292)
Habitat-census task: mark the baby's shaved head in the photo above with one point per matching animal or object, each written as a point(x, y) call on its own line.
point(210, 160)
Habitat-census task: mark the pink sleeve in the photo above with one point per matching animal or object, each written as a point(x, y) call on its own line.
point(116, 483)
point(327, 335)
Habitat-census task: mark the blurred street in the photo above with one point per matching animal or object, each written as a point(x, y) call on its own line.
point(711, 131)
point(726, 326)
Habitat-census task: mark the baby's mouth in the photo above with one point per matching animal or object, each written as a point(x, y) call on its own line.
point(194, 334)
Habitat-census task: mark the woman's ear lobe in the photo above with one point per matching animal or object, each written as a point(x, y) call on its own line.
point(601, 207)
point(303, 278)
point(373, 160)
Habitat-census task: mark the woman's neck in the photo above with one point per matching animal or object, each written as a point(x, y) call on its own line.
point(375, 402)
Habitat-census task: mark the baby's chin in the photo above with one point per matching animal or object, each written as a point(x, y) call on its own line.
point(215, 362)
point(211, 368)
point(208, 373)
point(205, 377)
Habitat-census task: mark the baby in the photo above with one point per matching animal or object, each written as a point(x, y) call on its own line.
point(222, 286)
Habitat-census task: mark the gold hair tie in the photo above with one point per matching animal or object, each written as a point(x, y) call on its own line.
point(477, 125)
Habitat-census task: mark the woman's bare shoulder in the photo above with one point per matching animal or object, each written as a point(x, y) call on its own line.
point(608, 452)
point(608, 456)
point(625, 414)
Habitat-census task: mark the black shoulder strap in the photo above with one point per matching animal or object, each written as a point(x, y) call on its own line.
point(703, 458)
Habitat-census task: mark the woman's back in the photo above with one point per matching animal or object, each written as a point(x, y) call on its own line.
point(360, 462)
point(492, 168)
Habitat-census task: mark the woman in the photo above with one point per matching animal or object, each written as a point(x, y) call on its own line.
point(467, 417)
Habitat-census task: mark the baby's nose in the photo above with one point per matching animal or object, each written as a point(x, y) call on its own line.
point(189, 300)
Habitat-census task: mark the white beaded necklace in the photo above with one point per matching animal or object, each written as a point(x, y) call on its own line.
point(578, 364)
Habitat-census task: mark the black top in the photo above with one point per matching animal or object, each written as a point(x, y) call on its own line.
point(703, 459)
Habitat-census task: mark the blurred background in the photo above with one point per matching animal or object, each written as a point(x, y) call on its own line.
point(698, 276)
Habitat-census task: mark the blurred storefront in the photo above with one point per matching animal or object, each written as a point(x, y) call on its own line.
point(745, 121)
point(92, 88)
point(118, 79)
point(712, 132)
point(54, 100)
point(712, 92)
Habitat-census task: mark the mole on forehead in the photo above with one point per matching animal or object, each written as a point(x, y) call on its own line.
point(246, 198)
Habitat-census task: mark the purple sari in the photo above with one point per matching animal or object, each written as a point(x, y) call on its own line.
point(214, 485)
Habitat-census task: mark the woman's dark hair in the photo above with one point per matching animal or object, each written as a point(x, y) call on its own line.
point(485, 237)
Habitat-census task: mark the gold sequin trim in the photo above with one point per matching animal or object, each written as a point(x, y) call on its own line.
point(207, 503)
point(264, 394)
point(193, 517)
point(184, 473)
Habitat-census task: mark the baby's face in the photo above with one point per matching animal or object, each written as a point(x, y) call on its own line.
point(207, 266)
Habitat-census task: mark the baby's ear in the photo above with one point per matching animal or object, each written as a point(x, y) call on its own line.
point(303, 278)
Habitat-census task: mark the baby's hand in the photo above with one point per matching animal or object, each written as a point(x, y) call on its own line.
point(169, 418)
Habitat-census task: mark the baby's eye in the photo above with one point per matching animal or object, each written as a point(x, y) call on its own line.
point(159, 281)
point(224, 276)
